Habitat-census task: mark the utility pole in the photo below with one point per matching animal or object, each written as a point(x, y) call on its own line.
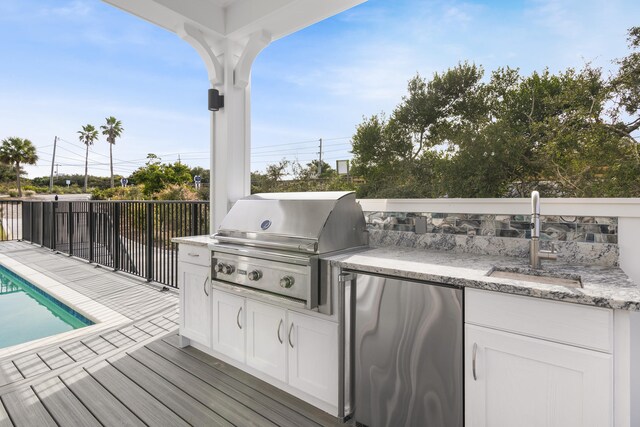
point(320, 161)
point(53, 161)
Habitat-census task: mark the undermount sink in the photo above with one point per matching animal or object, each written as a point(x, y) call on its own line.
point(537, 276)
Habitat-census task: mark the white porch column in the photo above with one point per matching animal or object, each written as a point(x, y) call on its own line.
point(229, 67)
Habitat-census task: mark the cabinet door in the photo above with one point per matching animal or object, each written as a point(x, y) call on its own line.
point(312, 355)
point(513, 380)
point(229, 326)
point(195, 303)
point(266, 334)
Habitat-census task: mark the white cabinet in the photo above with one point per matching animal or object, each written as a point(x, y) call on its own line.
point(313, 356)
point(195, 302)
point(298, 350)
point(512, 379)
point(266, 332)
point(229, 325)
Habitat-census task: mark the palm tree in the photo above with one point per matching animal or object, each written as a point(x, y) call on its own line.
point(113, 129)
point(88, 135)
point(15, 151)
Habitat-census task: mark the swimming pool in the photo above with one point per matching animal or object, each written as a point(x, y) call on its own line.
point(28, 313)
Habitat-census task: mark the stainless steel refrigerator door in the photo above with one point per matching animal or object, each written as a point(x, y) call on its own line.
point(408, 349)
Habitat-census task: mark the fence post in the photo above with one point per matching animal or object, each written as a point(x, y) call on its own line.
point(43, 222)
point(52, 232)
point(92, 230)
point(116, 236)
point(32, 222)
point(194, 219)
point(149, 241)
point(70, 220)
point(25, 220)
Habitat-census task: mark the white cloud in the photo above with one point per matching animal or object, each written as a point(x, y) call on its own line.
point(73, 9)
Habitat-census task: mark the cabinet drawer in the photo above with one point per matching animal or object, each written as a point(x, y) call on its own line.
point(200, 255)
point(573, 324)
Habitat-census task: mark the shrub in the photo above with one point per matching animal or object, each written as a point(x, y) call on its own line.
point(176, 192)
point(119, 193)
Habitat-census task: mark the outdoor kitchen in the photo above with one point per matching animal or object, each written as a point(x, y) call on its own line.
point(386, 326)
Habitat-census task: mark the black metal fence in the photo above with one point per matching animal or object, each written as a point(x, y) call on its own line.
point(132, 236)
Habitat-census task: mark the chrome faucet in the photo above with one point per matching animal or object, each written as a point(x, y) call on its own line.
point(535, 254)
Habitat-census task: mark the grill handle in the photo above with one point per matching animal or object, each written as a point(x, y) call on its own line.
point(310, 247)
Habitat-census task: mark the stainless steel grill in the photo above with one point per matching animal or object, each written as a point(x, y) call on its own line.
point(274, 245)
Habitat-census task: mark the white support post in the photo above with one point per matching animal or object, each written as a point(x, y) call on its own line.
point(229, 67)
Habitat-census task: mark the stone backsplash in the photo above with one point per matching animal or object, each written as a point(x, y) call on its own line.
point(557, 228)
point(579, 240)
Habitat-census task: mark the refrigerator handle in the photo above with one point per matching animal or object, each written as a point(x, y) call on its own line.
point(343, 279)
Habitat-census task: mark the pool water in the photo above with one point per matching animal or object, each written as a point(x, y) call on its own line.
point(27, 313)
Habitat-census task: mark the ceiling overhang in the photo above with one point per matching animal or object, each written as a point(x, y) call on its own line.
point(235, 19)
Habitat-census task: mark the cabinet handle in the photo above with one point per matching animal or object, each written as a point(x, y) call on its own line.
point(193, 254)
point(473, 361)
point(279, 326)
point(238, 317)
point(290, 330)
point(204, 286)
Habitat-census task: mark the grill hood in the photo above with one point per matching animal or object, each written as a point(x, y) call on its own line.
point(312, 222)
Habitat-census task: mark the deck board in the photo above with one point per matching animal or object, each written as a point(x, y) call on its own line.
point(109, 410)
point(224, 400)
point(4, 417)
point(78, 351)
point(63, 405)
point(55, 358)
point(9, 373)
point(99, 345)
point(143, 404)
point(31, 365)
point(188, 408)
point(26, 409)
point(118, 339)
point(200, 365)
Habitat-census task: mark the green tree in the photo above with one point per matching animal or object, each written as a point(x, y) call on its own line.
point(113, 129)
point(155, 176)
point(16, 151)
point(88, 135)
point(572, 134)
point(402, 156)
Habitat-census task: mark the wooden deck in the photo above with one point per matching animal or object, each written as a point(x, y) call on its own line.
point(134, 373)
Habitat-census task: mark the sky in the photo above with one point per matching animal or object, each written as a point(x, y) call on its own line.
point(67, 63)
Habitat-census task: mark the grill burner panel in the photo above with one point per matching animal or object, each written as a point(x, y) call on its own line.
point(264, 275)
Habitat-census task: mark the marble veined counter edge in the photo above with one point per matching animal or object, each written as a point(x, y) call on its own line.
point(607, 287)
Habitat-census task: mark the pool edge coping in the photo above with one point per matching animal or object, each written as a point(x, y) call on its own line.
point(102, 316)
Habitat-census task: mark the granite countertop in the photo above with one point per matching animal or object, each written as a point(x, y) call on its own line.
point(194, 240)
point(603, 286)
point(607, 287)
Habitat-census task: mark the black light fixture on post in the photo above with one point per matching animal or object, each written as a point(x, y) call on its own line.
point(216, 101)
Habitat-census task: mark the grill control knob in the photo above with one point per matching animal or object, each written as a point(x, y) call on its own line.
point(220, 267)
point(255, 275)
point(287, 282)
point(228, 269)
